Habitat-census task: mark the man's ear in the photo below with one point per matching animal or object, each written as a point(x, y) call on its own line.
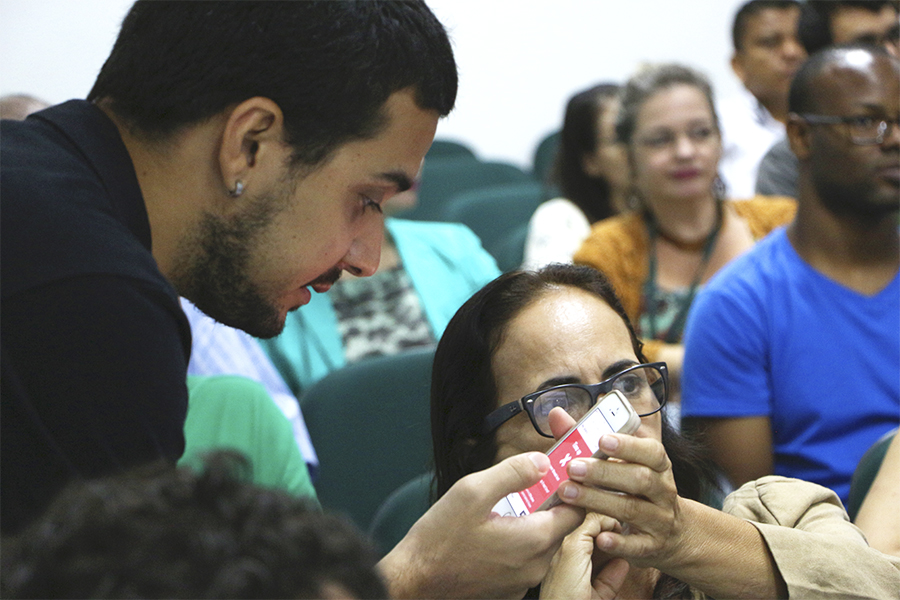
point(252, 147)
point(738, 67)
point(798, 132)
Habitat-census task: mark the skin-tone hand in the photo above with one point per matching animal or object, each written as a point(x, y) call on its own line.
point(721, 555)
point(572, 568)
point(460, 549)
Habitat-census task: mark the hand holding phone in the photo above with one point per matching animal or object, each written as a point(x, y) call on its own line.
point(612, 414)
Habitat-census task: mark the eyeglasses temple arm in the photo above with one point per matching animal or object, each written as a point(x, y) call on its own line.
point(501, 415)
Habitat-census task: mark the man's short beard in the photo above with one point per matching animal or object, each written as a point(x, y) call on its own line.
point(215, 276)
point(851, 202)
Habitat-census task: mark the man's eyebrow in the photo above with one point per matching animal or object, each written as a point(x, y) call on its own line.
point(398, 178)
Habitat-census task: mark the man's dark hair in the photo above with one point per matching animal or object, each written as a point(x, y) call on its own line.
point(814, 26)
point(330, 66)
point(161, 532)
point(747, 10)
point(803, 97)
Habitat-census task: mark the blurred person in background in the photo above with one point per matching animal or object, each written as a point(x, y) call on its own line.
point(682, 229)
point(591, 172)
point(767, 53)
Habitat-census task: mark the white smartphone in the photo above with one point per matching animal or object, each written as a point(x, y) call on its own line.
point(612, 414)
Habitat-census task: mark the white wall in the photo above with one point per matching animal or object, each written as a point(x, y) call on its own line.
point(519, 60)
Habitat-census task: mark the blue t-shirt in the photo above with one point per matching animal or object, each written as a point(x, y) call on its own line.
point(770, 336)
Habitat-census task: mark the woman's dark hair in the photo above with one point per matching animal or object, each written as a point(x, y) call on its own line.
point(330, 66)
point(577, 139)
point(463, 390)
point(162, 532)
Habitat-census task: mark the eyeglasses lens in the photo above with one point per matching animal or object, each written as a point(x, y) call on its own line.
point(575, 401)
point(644, 387)
point(870, 131)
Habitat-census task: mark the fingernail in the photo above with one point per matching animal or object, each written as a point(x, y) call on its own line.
point(609, 443)
point(569, 491)
point(577, 468)
point(540, 461)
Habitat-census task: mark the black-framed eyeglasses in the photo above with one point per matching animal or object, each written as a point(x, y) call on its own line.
point(645, 386)
point(864, 131)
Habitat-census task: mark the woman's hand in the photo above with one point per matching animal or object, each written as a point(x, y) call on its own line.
point(637, 488)
point(571, 573)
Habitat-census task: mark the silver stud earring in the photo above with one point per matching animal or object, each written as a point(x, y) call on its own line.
point(238, 189)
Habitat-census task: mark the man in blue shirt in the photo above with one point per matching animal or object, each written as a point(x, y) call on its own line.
point(792, 362)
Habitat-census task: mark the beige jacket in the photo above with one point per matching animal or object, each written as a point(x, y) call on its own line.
point(819, 552)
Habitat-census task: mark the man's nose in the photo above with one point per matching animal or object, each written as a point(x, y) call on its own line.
point(365, 252)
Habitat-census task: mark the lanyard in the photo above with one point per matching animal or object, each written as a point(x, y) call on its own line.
point(673, 335)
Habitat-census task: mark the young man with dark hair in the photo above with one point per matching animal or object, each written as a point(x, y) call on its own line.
point(237, 154)
point(766, 55)
point(792, 354)
point(828, 22)
point(823, 23)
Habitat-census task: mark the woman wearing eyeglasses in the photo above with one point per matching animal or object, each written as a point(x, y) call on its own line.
point(526, 356)
point(681, 230)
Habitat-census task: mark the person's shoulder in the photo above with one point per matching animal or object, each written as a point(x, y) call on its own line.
point(454, 241)
point(229, 389)
point(622, 224)
point(763, 214)
point(426, 229)
point(754, 272)
point(557, 205)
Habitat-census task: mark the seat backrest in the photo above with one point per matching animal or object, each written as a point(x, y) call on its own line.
point(499, 215)
point(369, 423)
point(865, 472)
point(544, 156)
point(444, 178)
point(400, 510)
point(443, 148)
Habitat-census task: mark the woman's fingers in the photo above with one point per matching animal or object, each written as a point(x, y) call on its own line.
point(610, 579)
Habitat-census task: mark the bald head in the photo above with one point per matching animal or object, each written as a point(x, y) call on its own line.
point(845, 103)
point(834, 69)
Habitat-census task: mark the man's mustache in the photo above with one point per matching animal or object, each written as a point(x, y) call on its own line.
point(329, 277)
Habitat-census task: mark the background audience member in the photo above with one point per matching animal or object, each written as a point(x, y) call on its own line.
point(766, 55)
point(822, 23)
point(591, 171)
point(230, 412)
point(426, 271)
point(18, 106)
point(161, 532)
point(683, 230)
point(538, 342)
point(793, 359)
point(217, 349)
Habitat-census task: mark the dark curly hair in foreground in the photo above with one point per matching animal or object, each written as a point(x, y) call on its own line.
point(161, 532)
